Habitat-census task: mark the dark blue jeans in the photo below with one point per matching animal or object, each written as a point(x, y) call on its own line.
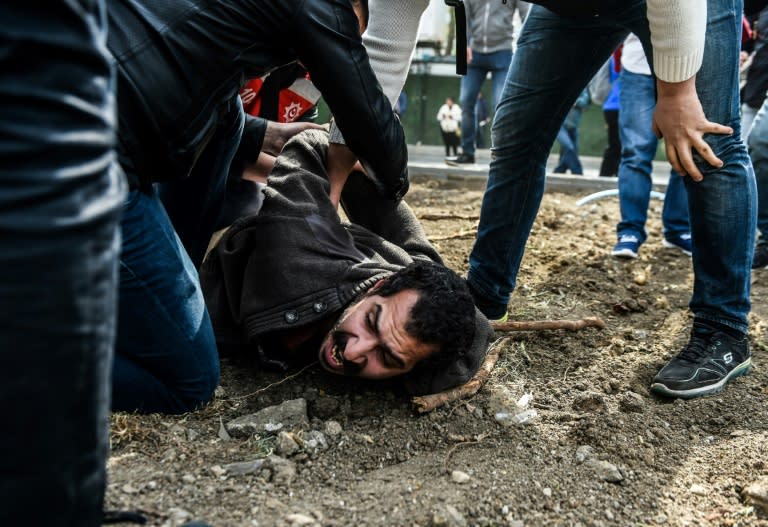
point(554, 60)
point(497, 64)
point(60, 197)
point(758, 151)
point(165, 357)
point(569, 151)
point(638, 148)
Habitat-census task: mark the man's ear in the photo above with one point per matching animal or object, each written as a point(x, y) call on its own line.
point(376, 286)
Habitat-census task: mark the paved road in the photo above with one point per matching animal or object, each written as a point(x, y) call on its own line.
point(428, 161)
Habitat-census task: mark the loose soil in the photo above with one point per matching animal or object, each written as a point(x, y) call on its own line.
point(649, 461)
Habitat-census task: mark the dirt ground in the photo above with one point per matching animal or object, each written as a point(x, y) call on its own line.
point(601, 450)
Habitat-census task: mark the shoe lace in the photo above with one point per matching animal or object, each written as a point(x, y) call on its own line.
point(696, 348)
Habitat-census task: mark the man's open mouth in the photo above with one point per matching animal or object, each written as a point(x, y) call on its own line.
point(333, 354)
point(335, 358)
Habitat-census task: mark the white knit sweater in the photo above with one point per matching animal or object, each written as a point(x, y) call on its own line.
point(677, 35)
point(390, 40)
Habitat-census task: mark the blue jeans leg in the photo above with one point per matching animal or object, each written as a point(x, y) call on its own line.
point(554, 61)
point(166, 358)
point(60, 196)
point(758, 151)
point(637, 100)
point(674, 213)
point(722, 206)
point(569, 152)
point(497, 64)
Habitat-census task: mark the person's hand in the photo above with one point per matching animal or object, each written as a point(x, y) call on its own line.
point(341, 161)
point(680, 120)
point(469, 55)
point(259, 170)
point(278, 134)
point(743, 56)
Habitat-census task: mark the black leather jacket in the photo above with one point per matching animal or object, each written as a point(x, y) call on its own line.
point(181, 64)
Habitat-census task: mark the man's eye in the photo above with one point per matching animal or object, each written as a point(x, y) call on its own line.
point(387, 359)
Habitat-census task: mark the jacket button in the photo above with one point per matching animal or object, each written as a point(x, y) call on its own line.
point(319, 307)
point(291, 316)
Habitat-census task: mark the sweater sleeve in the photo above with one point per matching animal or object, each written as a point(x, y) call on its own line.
point(678, 28)
point(390, 40)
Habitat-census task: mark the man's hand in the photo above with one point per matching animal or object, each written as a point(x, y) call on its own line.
point(341, 161)
point(680, 120)
point(278, 134)
point(259, 170)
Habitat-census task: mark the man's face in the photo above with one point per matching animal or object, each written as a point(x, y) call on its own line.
point(370, 340)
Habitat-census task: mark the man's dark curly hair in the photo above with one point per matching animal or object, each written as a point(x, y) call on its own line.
point(444, 314)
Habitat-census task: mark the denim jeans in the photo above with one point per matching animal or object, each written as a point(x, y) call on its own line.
point(637, 100)
point(497, 64)
point(758, 151)
point(555, 58)
point(569, 151)
point(165, 357)
point(60, 196)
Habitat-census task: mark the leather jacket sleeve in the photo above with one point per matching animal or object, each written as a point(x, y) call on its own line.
point(331, 49)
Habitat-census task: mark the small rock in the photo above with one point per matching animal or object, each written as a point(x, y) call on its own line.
point(283, 471)
point(696, 488)
point(217, 471)
point(365, 438)
point(547, 492)
point(300, 520)
point(439, 519)
point(583, 453)
point(219, 392)
point(315, 442)
point(756, 493)
point(290, 415)
point(333, 428)
point(192, 435)
point(243, 467)
point(129, 489)
point(605, 470)
point(188, 478)
point(286, 445)
point(178, 515)
point(460, 477)
point(455, 516)
point(631, 402)
point(590, 402)
point(223, 434)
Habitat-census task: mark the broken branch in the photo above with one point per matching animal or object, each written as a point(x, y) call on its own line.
point(427, 403)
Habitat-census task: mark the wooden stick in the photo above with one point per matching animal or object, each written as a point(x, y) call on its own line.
point(461, 234)
point(535, 325)
point(427, 403)
point(437, 217)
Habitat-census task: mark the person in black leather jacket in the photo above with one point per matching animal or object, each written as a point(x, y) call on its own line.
point(180, 66)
